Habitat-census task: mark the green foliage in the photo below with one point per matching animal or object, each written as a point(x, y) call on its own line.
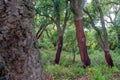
point(68, 70)
point(70, 42)
point(97, 58)
point(54, 37)
point(80, 71)
point(116, 57)
point(99, 73)
point(112, 38)
point(43, 43)
point(92, 40)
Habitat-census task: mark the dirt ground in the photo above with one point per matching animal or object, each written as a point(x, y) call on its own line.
point(115, 76)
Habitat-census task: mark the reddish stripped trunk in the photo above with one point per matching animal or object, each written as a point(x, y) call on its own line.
point(59, 49)
point(82, 42)
point(108, 58)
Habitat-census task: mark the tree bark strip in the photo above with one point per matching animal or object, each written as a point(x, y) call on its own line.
point(82, 42)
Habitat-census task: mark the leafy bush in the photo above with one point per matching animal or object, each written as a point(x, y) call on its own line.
point(99, 73)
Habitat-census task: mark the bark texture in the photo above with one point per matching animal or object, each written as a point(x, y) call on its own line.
point(77, 8)
point(18, 46)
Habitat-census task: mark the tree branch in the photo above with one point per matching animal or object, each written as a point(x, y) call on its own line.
point(112, 2)
point(95, 28)
point(66, 17)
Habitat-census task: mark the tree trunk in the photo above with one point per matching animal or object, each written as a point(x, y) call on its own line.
point(105, 36)
point(59, 49)
point(73, 52)
point(60, 29)
point(18, 46)
point(82, 42)
point(77, 8)
point(101, 41)
point(108, 58)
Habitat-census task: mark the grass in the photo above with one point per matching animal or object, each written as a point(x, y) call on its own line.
point(69, 70)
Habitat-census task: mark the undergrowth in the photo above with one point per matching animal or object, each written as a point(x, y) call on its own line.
point(69, 70)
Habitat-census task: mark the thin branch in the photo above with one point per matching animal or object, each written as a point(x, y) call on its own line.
point(109, 16)
point(66, 17)
point(111, 2)
point(111, 21)
point(47, 16)
point(41, 26)
point(103, 25)
point(95, 28)
point(41, 31)
point(92, 21)
point(108, 21)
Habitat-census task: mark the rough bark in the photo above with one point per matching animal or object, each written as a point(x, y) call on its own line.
point(18, 46)
point(77, 8)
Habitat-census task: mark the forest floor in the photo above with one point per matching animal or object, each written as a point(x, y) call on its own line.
point(115, 76)
point(84, 77)
point(69, 70)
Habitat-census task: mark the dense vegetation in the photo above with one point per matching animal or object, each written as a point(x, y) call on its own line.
point(70, 66)
point(59, 40)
